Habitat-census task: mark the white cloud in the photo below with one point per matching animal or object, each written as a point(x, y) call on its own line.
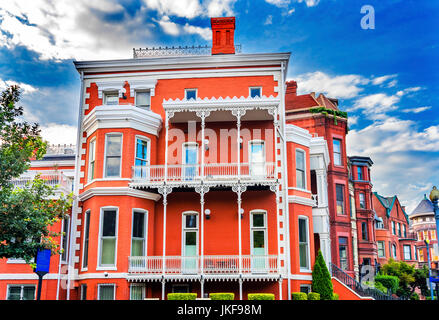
point(344, 86)
point(407, 90)
point(205, 33)
point(56, 133)
point(25, 88)
point(403, 154)
point(269, 20)
point(310, 3)
point(218, 8)
point(382, 79)
point(374, 104)
point(417, 110)
point(181, 8)
point(279, 3)
point(168, 26)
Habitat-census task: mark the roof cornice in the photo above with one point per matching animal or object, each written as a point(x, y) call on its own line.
point(180, 62)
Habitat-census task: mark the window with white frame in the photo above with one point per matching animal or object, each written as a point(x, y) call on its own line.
point(113, 155)
point(137, 292)
point(21, 292)
point(141, 160)
point(300, 169)
point(138, 240)
point(336, 143)
point(257, 158)
point(108, 237)
point(362, 197)
point(407, 252)
point(399, 229)
point(106, 291)
point(258, 238)
point(343, 252)
point(190, 94)
point(86, 240)
point(143, 99)
point(303, 243)
point(393, 228)
point(404, 228)
point(111, 98)
point(65, 239)
point(255, 92)
point(91, 159)
point(394, 250)
point(83, 292)
point(381, 249)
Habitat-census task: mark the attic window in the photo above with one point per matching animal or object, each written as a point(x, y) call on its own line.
point(191, 94)
point(255, 92)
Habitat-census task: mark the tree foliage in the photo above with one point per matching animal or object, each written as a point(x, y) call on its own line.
point(26, 214)
point(409, 277)
point(321, 279)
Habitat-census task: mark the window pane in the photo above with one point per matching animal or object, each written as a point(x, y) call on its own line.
point(303, 255)
point(255, 92)
point(108, 250)
point(300, 160)
point(106, 293)
point(29, 293)
point(336, 146)
point(137, 293)
point(337, 151)
point(109, 223)
point(340, 198)
point(114, 145)
point(258, 220)
point(143, 99)
point(300, 179)
point(138, 246)
point(191, 94)
point(86, 237)
point(14, 293)
point(360, 173)
point(138, 224)
point(302, 231)
point(258, 240)
point(191, 238)
point(113, 167)
point(141, 149)
point(111, 98)
point(191, 221)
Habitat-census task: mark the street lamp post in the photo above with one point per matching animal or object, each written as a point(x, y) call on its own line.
point(429, 269)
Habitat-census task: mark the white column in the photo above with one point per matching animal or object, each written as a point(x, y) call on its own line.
point(240, 288)
point(163, 289)
point(164, 191)
point(280, 288)
point(238, 113)
point(202, 190)
point(239, 189)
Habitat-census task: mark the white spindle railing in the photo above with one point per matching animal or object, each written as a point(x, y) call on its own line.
point(212, 172)
point(218, 264)
point(52, 178)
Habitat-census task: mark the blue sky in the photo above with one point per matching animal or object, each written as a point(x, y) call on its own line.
point(386, 78)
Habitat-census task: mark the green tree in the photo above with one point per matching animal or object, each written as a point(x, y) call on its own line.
point(409, 277)
point(26, 214)
point(321, 279)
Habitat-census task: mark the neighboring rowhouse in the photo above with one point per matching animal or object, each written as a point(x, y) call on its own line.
point(423, 226)
point(394, 239)
point(17, 280)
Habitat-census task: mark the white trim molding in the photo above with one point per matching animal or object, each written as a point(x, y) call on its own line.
point(122, 116)
point(147, 84)
point(301, 200)
point(118, 191)
point(111, 86)
point(297, 135)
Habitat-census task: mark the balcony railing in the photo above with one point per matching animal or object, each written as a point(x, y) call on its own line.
point(52, 178)
point(264, 264)
point(212, 172)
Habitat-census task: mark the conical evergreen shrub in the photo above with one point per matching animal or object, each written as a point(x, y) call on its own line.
point(321, 279)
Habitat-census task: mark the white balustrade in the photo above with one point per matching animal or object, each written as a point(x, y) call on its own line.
point(212, 172)
point(52, 178)
point(218, 264)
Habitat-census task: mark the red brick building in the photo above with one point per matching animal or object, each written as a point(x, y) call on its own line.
point(393, 237)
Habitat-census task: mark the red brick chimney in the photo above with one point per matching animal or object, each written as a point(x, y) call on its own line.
point(223, 35)
point(291, 88)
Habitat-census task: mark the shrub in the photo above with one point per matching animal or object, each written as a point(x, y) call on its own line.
point(381, 287)
point(260, 296)
point(335, 296)
point(313, 296)
point(182, 296)
point(321, 279)
point(390, 282)
point(222, 296)
point(299, 296)
point(415, 296)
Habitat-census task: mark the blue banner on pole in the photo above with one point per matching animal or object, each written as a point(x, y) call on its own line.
point(434, 279)
point(43, 261)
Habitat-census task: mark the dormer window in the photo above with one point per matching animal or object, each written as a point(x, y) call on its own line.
point(143, 99)
point(111, 98)
point(255, 92)
point(191, 94)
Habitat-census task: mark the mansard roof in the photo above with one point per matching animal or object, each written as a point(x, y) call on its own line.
point(425, 206)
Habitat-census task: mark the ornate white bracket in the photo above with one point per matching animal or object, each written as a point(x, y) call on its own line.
point(110, 86)
point(142, 85)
